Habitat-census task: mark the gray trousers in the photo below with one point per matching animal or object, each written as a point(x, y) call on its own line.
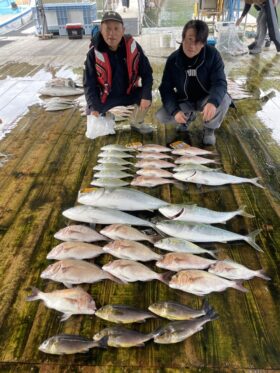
point(261, 28)
point(189, 107)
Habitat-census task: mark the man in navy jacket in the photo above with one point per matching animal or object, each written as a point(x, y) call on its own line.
point(194, 81)
point(117, 72)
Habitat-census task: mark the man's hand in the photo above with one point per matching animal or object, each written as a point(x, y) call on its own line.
point(208, 112)
point(145, 104)
point(237, 23)
point(180, 117)
point(95, 113)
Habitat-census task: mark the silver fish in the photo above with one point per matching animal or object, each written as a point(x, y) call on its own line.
point(115, 154)
point(73, 271)
point(122, 314)
point(196, 214)
point(68, 301)
point(154, 172)
point(153, 148)
point(75, 250)
point(150, 182)
point(200, 283)
point(117, 161)
point(125, 249)
point(194, 166)
point(184, 159)
point(78, 233)
point(130, 271)
point(213, 178)
point(177, 311)
point(108, 182)
point(112, 174)
point(179, 261)
point(125, 199)
point(66, 344)
point(235, 271)
point(98, 215)
point(152, 155)
point(205, 233)
point(192, 150)
point(122, 232)
point(155, 163)
point(110, 166)
point(177, 331)
point(182, 245)
point(116, 147)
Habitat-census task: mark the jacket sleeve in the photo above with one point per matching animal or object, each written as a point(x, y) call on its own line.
point(91, 87)
point(146, 73)
point(167, 88)
point(218, 82)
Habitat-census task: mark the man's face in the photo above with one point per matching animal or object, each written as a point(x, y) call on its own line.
point(112, 33)
point(191, 48)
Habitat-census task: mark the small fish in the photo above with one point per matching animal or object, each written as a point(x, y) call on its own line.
point(182, 245)
point(108, 182)
point(154, 172)
point(184, 159)
point(122, 232)
point(154, 163)
point(150, 182)
point(194, 166)
point(213, 178)
point(110, 166)
point(126, 249)
point(130, 271)
point(68, 301)
point(116, 147)
point(179, 261)
point(78, 233)
point(177, 331)
point(177, 311)
point(191, 150)
point(119, 336)
point(66, 344)
point(200, 283)
point(152, 155)
point(153, 148)
point(196, 214)
point(122, 314)
point(111, 174)
point(75, 250)
point(114, 154)
point(114, 160)
point(235, 271)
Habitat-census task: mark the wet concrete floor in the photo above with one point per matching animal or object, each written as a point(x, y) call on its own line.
point(50, 160)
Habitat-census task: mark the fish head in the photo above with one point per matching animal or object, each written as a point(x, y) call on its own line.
point(48, 346)
point(90, 194)
point(170, 211)
point(51, 270)
point(156, 308)
point(108, 266)
point(188, 174)
point(179, 279)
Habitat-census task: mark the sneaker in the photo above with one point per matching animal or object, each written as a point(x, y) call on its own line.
point(142, 128)
point(255, 51)
point(209, 137)
point(267, 43)
point(252, 45)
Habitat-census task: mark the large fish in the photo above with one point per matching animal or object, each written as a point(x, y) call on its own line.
point(126, 249)
point(177, 311)
point(183, 246)
point(108, 182)
point(122, 314)
point(154, 163)
point(119, 336)
point(196, 214)
point(235, 271)
point(185, 159)
point(98, 215)
point(130, 271)
point(152, 155)
point(177, 331)
point(191, 150)
point(200, 283)
point(68, 301)
point(150, 182)
point(179, 261)
point(204, 233)
point(213, 178)
point(126, 232)
point(78, 233)
point(73, 271)
point(75, 250)
point(112, 174)
point(115, 154)
point(66, 344)
point(125, 199)
point(154, 172)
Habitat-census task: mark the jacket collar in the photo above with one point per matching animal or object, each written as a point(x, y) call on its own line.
point(181, 55)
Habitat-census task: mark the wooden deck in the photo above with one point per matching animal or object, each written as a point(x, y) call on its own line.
point(50, 159)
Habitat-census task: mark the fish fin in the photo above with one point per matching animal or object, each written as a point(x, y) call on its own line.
point(65, 316)
point(115, 279)
point(251, 239)
point(213, 253)
point(262, 274)
point(102, 343)
point(34, 295)
point(238, 286)
point(254, 181)
point(242, 212)
point(165, 277)
point(67, 285)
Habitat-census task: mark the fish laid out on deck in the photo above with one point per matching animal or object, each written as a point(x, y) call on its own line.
point(61, 87)
point(75, 250)
point(114, 154)
point(79, 233)
point(117, 147)
point(193, 166)
point(191, 150)
point(185, 159)
point(110, 166)
point(68, 301)
point(154, 148)
point(154, 172)
point(109, 182)
point(151, 181)
point(126, 232)
point(196, 214)
point(115, 160)
point(204, 233)
point(122, 314)
point(112, 174)
point(178, 261)
point(155, 163)
point(152, 155)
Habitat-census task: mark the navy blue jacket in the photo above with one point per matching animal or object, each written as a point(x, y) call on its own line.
point(210, 78)
point(117, 94)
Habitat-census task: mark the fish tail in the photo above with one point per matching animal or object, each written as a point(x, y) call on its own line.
point(115, 279)
point(238, 286)
point(255, 182)
point(213, 253)
point(242, 212)
point(165, 277)
point(251, 239)
point(206, 307)
point(154, 333)
point(35, 294)
point(211, 314)
point(102, 343)
point(262, 274)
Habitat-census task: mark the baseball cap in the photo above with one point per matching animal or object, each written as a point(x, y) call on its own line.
point(112, 16)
